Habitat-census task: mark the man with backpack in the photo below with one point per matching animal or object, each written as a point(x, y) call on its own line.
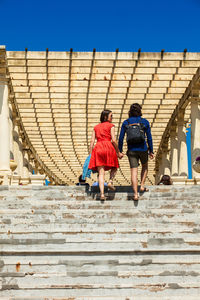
point(138, 131)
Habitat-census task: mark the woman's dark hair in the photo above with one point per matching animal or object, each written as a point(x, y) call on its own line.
point(135, 110)
point(166, 180)
point(104, 115)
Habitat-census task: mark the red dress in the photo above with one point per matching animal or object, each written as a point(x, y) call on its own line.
point(103, 153)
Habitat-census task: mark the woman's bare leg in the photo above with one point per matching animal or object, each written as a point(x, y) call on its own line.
point(134, 180)
point(101, 171)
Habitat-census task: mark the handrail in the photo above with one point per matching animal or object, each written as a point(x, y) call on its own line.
point(181, 105)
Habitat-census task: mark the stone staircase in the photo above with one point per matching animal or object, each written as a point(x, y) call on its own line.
point(62, 243)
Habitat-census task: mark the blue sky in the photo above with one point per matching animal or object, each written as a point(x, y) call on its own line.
point(105, 25)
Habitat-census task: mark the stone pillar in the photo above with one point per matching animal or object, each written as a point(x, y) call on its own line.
point(31, 163)
point(16, 177)
point(157, 173)
point(30, 166)
point(18, 152)
point(4, 134)
point(174, 152)
point(159, 169)
point(25, 177)
point(166, 162)
point(36, 167)
point(16, 145)
point(11, 132)
point(182, 147)
point(195, 133)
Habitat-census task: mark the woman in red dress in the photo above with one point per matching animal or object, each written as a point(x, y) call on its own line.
point(105, 152)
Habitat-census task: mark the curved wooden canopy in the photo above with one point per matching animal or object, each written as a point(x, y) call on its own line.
point(60, 95)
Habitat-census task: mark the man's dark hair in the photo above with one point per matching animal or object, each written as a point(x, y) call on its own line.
point(80, 179)
point(104, 115)
point(135, 110)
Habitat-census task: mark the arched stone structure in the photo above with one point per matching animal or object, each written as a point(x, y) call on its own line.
point(188, 109)
point(57, 98)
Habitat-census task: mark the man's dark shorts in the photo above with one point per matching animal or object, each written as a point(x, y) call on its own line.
point(136, 156)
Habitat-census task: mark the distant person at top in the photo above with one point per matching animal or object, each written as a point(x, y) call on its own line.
point(165, 180)
point(96, 183)
point(82, 181)
point(105, 154)
point(137, 130)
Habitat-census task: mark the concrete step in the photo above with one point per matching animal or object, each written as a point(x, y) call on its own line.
point(95, 237)
point(98, 265)
point(111, 280)
point(191, 220)
point(136, 297)
point(68, 292)
point(60, 246)
point(31, 202)
point(163, 228)
point(114, 258)
point(37, 210)
point(122, 211)
point(79, 193)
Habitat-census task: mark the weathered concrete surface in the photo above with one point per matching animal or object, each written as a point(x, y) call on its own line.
point(63, 243)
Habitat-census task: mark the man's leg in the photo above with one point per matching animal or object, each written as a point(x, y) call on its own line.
point(144, 173)
point(134, 181)
point(113, 173)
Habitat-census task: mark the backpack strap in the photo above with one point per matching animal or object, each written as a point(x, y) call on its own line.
point(139, 123)
point(134, 124)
